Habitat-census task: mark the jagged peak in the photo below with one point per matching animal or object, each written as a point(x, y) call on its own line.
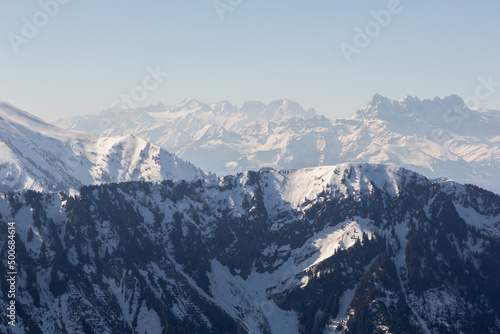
point(277, 110)
point(191, 103)
point(294, 106)
point(381, 107)
point(224, 107)
point(377, 99)
point(158, 107)
point(410, 99)
point(454, 99)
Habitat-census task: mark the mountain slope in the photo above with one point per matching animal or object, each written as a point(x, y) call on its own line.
point(439, 137)
point(354, 248)
point(37, 155)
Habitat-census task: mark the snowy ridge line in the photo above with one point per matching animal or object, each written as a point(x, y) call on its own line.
point(439, 137)
point(39, 156)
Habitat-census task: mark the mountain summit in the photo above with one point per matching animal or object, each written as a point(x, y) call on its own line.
point(41, 156)
point(435, 111)
point(439, 137)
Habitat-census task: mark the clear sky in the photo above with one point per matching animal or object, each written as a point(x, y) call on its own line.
point(83, 55)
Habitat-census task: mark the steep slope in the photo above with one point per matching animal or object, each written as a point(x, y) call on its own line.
point(354, 248)
point(439, 137)
point(37, 155)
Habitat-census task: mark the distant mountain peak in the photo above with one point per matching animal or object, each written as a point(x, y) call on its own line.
point(158, 107)
point(377, 99)
point(452, 99)
point(437, 136)
point(382, 107)
point(286, 103)
point(224, 107)
point(252, 105)
point(377, 106)
point(276, 111)
point(189, 102)
point(410, 99)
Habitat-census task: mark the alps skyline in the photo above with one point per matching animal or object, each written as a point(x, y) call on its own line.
point(67, 58)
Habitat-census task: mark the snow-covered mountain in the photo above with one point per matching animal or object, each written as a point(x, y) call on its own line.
point(438, 138)
point(221, 137)
point(353, 248)
point(37, 155)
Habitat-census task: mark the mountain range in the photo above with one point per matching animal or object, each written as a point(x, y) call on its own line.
point(351, 248)
point(128, 238)
point(441, 137)
point(40, 156)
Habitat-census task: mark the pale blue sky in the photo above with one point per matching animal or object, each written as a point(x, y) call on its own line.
point(91, 52)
